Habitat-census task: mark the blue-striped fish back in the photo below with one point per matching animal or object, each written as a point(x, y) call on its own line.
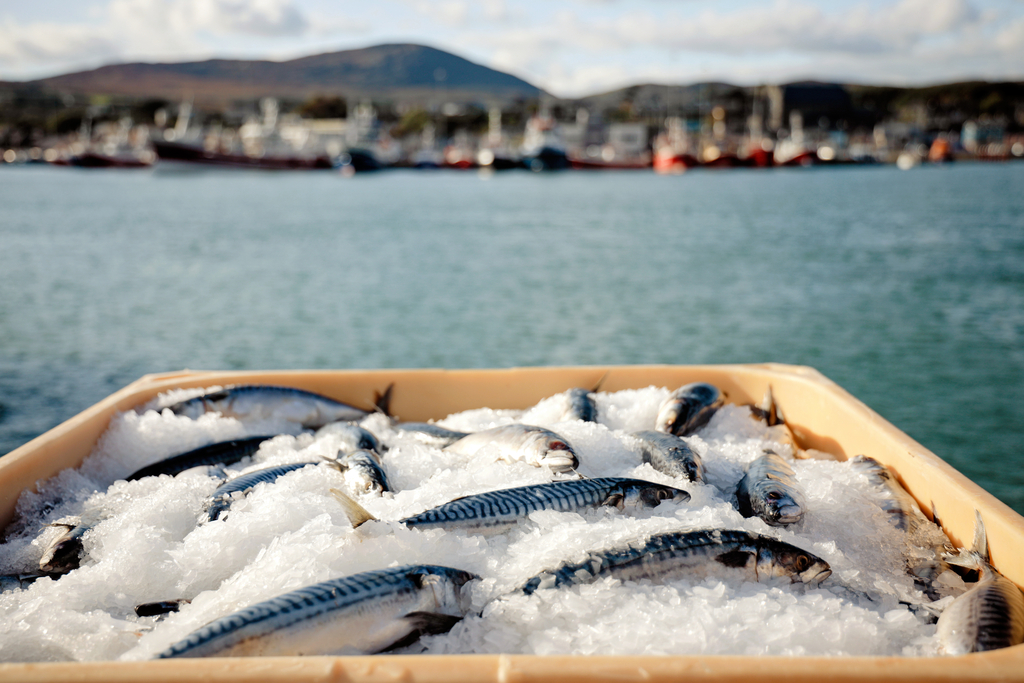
point(495, 508)
point(311, 601)
point(222, 497)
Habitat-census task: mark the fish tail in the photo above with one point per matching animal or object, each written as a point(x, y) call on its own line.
point(980, 545)
point(977, 556)
point(333, 463)
point(356, 513)
point(382, 402)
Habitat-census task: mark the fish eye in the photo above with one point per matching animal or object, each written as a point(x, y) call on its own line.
point(774, 495)
point(558, 446)
point(802, 562)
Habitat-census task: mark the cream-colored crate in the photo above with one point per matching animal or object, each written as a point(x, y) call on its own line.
point(822, 415)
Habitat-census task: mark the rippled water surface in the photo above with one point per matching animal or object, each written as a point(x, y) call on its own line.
point(907, 288)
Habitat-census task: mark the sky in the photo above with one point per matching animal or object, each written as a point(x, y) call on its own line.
point(568, 47)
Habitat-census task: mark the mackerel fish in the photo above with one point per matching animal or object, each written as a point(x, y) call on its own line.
point(688, 408)
point(223, 497)
point(990, 615)
point(691, 554)
point(497, 511)
point(535, 445)
point(768, 490)
point(770, 414)
point(579, 405)
point(351, 436)
point(903, 511)
point(363, 471)
point(926, 540)
point(64, 553)
point(222, 453)
point(248, 402)
point(360, 614)
point(671, 455)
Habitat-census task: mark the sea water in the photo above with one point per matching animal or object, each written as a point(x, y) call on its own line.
point(906, 288)
point(149, 541)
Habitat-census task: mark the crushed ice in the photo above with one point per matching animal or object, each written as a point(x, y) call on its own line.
point(147, 544)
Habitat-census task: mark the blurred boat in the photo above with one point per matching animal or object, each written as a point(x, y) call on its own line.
point(97, 160)
point(668, 160)
point(357, 160)
point(602, 165)
point(186, 154)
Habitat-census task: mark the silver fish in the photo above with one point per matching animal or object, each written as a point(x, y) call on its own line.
point(352, 436)
point(691, 554)
point(688, 408)
point(990, 615)
point(770, 414)
point(430, 434)
point(222, 453)
point(903, 511)
point(768, 490)
point(223, 497)
point(259, 402)
point(360, 614)
point(363, 471)
point(497, 511)
point(670, 454)
point(924, 555)
point(64, 553)
point(579, 405)
point(535, 445)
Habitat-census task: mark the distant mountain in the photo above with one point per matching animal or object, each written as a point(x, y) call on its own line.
point(399, 71)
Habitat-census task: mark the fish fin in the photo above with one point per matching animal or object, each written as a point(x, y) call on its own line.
point(773, 414)
point(357, 514)
point(614, 500)
point(757, 413)
point(734, 558)
point(600, 382)
point(382, 402)
point(980, 545)
point(975, 558)
point(423, 623)
point(432, 622)
point(333, 463)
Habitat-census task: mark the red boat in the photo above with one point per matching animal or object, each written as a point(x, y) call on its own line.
point(188, 154)
point(667, 161)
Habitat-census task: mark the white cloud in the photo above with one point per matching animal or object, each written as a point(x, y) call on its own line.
point(266, 18)
point(146, 29)
point(49, 42)
point(568, 47)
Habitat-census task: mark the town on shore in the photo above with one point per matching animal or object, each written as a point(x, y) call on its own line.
point(662, 128)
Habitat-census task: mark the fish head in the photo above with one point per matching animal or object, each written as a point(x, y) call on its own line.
point(781, 506)
point(446, 585)
point(694, 468)
point(668, 416)
point(63, 556)
point(559, 456)
point(644, 494)
point(703, 394)
point(688, 409)
point(782, 560)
